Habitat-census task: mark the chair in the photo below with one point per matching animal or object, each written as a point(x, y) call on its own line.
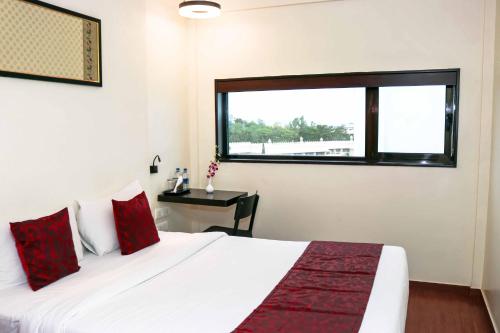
point(245, 207)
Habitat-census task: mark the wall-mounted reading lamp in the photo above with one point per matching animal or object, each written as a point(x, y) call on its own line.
point(154, 168)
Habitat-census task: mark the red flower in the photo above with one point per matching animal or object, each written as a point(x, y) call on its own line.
point(212, 169)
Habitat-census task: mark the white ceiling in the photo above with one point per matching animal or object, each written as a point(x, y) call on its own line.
point(234, 5)
point(230, 5)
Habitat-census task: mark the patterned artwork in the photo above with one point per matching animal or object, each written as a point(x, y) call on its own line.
point(90, 51)
point(44, 42)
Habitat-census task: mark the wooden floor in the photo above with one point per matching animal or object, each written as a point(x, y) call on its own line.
point(435, 308)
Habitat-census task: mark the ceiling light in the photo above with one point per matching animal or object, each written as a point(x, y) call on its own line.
point(199, 9)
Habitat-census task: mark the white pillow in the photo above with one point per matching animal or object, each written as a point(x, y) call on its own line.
point(74, 232)
point(96, 222)
point(11, 270)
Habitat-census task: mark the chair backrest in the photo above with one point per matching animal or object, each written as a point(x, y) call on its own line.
point(245, 207)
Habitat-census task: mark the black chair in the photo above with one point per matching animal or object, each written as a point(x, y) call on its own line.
point(245, 207)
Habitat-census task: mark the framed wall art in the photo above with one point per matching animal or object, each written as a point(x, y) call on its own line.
point(40, 41)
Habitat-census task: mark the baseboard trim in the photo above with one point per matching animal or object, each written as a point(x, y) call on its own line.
point(486, 302)
point(438, 284)
point(468, 289)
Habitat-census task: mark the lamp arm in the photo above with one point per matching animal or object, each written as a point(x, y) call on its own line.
point(156, 157)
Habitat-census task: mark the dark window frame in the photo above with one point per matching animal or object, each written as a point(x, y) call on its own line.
point(372, 81)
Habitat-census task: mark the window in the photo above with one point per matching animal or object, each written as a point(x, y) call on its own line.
point(386, 118)
point(263, 123)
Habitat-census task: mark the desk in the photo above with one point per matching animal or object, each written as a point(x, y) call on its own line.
point(201, 197)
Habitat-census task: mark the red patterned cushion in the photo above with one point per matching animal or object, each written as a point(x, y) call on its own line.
point(46, 249)
point(135, 225)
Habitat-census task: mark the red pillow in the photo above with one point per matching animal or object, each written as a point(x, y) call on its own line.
point(135, 225)
point(46, 249)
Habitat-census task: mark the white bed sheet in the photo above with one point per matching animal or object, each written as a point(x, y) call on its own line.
point(189, 283)
point(22, 310)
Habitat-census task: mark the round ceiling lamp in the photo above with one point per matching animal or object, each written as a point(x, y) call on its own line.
point(199, 9)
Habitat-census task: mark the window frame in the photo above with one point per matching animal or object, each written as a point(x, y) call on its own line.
point(372, 81)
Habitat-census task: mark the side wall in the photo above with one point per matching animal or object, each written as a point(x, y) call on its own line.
point(167, 71)
point(492, 258)
point(430, 212)
point(61, 142)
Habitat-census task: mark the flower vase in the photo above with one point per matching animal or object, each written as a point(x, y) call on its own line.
point(210, 189)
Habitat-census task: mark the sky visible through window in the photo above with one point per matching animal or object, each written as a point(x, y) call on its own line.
point(319, 122)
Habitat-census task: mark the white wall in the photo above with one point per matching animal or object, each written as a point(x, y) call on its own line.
point(60, 142)
point(167, 66)
point(432, 212)
point(492, 258)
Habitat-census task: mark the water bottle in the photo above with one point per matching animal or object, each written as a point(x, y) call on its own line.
point(185, 178)
point(178, 172)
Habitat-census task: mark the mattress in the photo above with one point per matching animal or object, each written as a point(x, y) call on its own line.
point(186, 283)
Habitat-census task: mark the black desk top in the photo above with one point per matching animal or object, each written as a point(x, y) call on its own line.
point(201, 197)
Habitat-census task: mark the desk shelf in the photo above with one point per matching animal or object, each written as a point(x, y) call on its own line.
point(201, 197)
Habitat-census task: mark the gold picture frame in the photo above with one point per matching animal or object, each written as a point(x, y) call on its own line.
point(40, 41)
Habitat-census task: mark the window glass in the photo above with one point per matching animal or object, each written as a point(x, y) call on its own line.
point(412, 119)
point(300, 122)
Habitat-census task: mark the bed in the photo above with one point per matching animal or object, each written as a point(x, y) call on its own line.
point(186, 283)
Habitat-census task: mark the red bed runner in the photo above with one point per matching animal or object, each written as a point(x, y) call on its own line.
point(327, 290)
